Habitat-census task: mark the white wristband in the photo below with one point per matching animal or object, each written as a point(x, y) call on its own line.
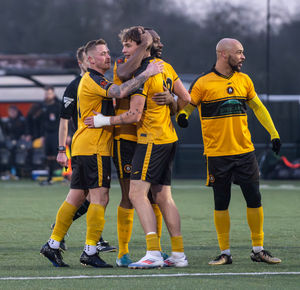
point(100, 121)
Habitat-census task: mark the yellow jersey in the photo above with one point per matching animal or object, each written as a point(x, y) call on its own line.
point(221, 103)
point(155, 125)
point(126, 131)
point(92, 95)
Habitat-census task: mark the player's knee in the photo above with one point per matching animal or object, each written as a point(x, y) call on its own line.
point(251, 194)
point(133, 196)
point(125, 201)
point(221, 197)
point(221, 204)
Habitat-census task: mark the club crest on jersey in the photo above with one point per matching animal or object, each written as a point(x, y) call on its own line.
point(127, 168)
point(211, 178)
point(103, 83)
point(120, 60)
point(230, 90)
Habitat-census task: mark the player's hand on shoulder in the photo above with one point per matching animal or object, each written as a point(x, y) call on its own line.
point(155, 67)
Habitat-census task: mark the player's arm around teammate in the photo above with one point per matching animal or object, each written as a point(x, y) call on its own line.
point(140, 187)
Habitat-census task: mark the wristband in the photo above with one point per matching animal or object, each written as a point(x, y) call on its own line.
point(61, 149)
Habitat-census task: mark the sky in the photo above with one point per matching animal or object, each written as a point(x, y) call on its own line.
point(281, 10)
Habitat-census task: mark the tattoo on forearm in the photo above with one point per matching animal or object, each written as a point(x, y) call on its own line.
point(115, 91)
point(125, 118)
point(132, 85)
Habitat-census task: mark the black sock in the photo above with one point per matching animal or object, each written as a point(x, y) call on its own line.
point(82, 210)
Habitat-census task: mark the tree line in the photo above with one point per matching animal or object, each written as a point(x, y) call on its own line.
point(61, 26)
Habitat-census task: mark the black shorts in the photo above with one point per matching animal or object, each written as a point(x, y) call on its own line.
point(51, 144)
point(91, 171)
point(242, 168)
point(153, 163)
point(123, 154)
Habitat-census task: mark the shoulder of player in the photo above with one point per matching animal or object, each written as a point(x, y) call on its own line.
point(242, 75)
point(166, 64)
point(74, 83)
point(144, 65)
point(96, 78)
point(202, 77)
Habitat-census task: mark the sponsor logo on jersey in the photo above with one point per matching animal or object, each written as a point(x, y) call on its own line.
point(67, 101)
point(231, 107)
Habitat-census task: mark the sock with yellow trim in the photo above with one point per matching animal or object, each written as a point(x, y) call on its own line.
point(124, 227)
point(177, 244)
point(159, 219)
point(222, 224)
point(255, 218)
point(152, 242)
point(64, 219)
point(95, 223)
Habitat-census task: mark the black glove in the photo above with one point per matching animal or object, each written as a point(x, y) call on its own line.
point(182, 121)
point(276, 144)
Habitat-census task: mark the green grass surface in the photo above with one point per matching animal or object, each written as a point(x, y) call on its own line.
point(27, 210)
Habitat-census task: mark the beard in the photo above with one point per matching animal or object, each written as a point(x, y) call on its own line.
point(155, 52)
point(234, 67)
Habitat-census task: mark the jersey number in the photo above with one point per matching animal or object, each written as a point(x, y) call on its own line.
point(168, 84)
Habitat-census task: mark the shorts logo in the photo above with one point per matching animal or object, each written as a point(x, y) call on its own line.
point(127, 168)
point(211, 178)
point(230, 90)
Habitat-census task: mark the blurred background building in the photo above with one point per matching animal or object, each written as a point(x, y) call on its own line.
point(38, 41)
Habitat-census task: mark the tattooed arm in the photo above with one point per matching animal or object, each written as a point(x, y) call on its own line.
point(132, 85)
point(133, 115)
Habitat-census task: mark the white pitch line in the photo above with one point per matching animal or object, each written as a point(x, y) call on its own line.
point(150, 275)
point(262, 186)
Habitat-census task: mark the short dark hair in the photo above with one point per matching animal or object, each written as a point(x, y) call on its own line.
point(131, 33)
point(92, 44)
point(48, 88)
point(79, 53)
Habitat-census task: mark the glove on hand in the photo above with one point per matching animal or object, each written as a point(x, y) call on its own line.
point(182, 120)
point(276, 144)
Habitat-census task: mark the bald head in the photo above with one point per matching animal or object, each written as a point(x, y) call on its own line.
point(228, 45)
point(230, 55)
